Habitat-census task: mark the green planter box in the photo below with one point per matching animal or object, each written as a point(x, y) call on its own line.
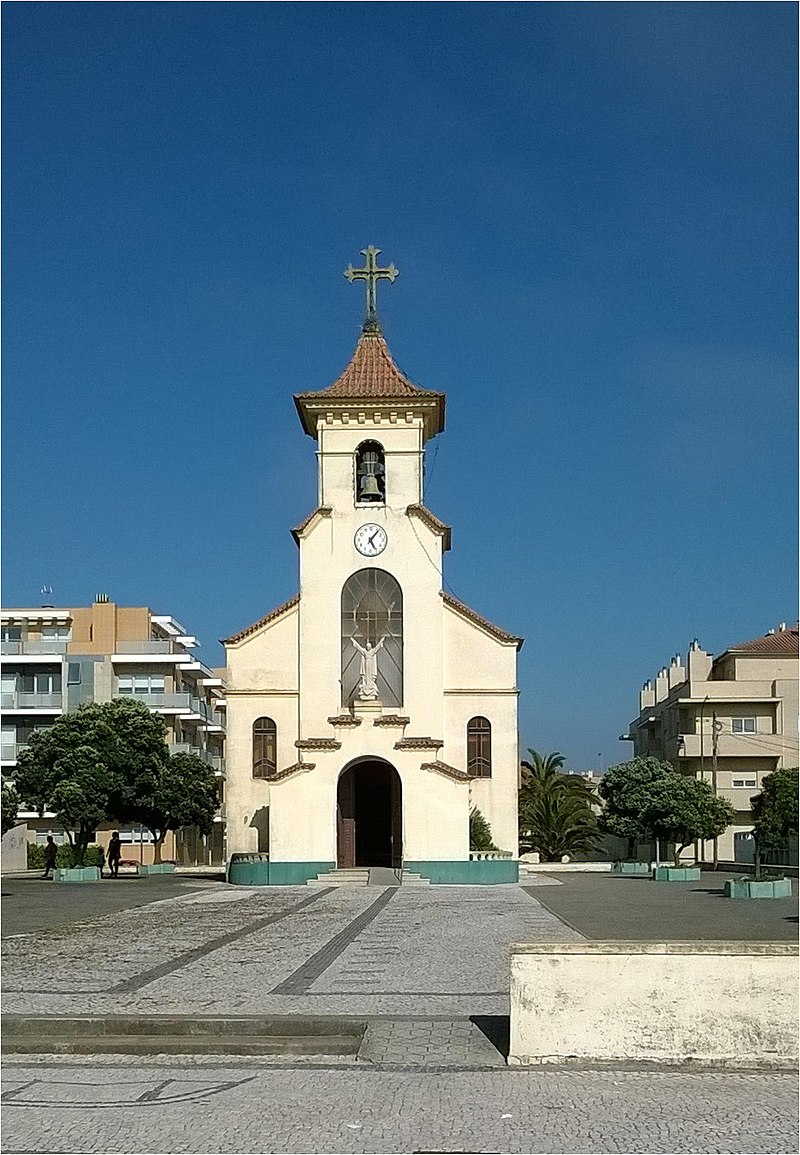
point(77, 874)
point(763, 888)
point(158, 868)
point(631, 868)
point(676, 873)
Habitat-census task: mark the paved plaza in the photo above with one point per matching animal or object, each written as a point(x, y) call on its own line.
point(426, 971)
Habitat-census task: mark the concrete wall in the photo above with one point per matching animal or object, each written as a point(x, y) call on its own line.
point(728, 1003)
point(14, 851)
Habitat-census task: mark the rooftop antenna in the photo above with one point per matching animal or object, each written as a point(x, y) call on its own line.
point(47, 593)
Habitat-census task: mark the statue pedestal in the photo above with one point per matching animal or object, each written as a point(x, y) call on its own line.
point(367, 708)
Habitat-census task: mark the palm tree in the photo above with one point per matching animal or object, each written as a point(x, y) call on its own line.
point(556, 814)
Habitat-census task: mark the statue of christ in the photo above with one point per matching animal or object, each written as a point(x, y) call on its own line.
point(368, 685)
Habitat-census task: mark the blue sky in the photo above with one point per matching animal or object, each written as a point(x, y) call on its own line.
point(592, 207)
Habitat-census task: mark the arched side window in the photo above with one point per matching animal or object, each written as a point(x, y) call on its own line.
point(265, 748)
point(479, 748)
point(372, 611)
point(370, 474)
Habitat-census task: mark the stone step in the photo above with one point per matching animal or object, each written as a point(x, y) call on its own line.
point(340, 878)
point(411, 879)
point(176, 1034)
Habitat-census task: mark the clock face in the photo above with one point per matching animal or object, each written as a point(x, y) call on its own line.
point(370, 539)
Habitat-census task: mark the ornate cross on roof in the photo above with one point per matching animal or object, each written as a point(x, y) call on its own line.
point(371, 274)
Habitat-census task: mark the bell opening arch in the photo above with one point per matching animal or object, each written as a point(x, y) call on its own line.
point(369, 815)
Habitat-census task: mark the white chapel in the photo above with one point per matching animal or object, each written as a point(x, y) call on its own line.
point(371, 712)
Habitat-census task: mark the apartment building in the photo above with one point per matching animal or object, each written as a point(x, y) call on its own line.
point(55, 660)
point(729, 720)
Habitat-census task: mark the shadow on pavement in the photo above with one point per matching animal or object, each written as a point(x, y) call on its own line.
point(497, 1029)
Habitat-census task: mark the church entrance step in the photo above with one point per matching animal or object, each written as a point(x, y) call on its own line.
point(352, 877)
point(368, 876)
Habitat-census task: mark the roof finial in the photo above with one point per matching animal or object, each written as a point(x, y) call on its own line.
point(371, 274)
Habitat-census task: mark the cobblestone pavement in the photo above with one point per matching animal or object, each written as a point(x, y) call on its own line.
point(438, 951)
point(259, 1108)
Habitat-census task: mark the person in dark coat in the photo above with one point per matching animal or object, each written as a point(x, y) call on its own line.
point(114, 854)
point(50, 852)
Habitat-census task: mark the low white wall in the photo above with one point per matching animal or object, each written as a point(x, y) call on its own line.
point(14, 849)
point(565, 867)
point(730, 1003)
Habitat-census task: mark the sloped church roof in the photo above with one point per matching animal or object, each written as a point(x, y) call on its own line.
point(371, 376)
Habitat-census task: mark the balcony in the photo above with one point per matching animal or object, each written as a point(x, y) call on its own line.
point(215, 761)
point(19, 700)
point(164, 703)
point(728, 746)
point(46, 648)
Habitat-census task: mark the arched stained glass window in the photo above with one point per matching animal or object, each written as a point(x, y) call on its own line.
point(479, 748)
point(372, 611)
point(370, 474)
point(265, 748)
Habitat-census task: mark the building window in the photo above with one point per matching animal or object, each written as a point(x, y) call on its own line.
point(372, 613)
point(479, 748)
point(743, 782)
point(265, 748)
point(743, 725)
point(73, 673)
point(141, 684)
point(11, 634)
point(40, 683)
point(370, 474)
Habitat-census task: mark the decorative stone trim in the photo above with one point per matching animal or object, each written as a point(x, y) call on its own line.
point(484, 623)
point(448, 771)
point(419, 744)
point(433, 523)
point(391, 720)
point(319, 512)
point(296, 768)
point(345, 720)
point(318, 744)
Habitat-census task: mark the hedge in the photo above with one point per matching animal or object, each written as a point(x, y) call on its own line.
point(63, 856)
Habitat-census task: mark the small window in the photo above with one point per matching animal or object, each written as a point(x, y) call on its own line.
point(743, 725)
point(743, 782)
point(370, 474)
point(479, 748)
point(73, 673)
point(55, 633)
point(265, 748)
point(12, 634)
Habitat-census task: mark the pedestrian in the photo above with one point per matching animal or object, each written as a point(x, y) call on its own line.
point(114, 854)
point(101, 859)
point(50, 852)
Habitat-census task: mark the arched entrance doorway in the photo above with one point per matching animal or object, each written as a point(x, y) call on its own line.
point(369, 823)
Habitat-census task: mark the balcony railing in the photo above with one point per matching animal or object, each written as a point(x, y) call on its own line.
point(158, 701)
point(19, 700)
point(26, 647)
point(143, 647)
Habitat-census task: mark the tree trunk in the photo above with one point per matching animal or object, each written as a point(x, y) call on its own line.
point(757, 861)
point(678, 850)
point(158, 842)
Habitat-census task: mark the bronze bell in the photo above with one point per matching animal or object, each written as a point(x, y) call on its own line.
point(369, 486)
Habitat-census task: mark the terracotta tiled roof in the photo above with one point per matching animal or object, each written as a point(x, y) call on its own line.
point(780, 642)
point(248, 630)
point(373, 376)
point(502, 635)
point(432, 521)
point(371, 373)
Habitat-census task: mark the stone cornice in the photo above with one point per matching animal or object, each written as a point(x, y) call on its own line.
point(288, 771)
point(433, 523)
point(278, 612)
point(419, 744)
point(391, 720)
point(345, 720)
point(318, 744)
point(448, 771)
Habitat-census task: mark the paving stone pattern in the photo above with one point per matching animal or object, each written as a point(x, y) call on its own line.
point(427, 951)
point(179, 1109)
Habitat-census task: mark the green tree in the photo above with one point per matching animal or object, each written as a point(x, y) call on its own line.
point(556, 812)
point(81, 767)
point(9, 806)
point(775, 812)
point(480, 832)
point(181, 791)
point(626, 790)
point(682, 810)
